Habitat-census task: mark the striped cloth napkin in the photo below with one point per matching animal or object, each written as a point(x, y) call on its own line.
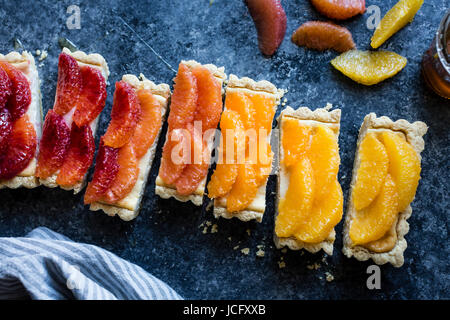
point(47, 265)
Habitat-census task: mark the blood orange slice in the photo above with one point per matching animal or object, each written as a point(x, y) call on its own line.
point(21, 147)
point(5, 88)
point(106, 168)
point(92, 96)
point(79, 156)
point(125, 115)
point(20, 97)
point(5, 128)
point(126, 177)
point(175, 155)
point(53, 145)
point(69, 84)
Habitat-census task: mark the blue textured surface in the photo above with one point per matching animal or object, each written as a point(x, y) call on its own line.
point(166, 239)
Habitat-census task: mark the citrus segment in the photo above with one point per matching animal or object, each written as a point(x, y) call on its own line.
point(270, 22)
point(404, 167)
point(5, 128)
point(222, 180)
point(53, 146)
point(373, 222)
point(243, 105)
point(295, 140)
point(396, 18)
point(126, 177)
point(79, 156)
point(69, 84)
point(339, 9)
point(5, 88)
point(265, 111)
point(175, 155)
point(20, 149)
point(209, 102)
point(325, 215)
point(372, 171)
point(184, 98)
point(92, 96)
point(296, 205)
point(369, 67)
point(149, 124)
point(244, 188)
point(322, 36)
point(20, 97)
point(125, 115)
point(325, 160)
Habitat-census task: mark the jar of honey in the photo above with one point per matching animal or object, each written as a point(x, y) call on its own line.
point(436, 60)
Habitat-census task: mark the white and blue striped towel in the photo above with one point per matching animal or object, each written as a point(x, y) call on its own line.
point(48, 265)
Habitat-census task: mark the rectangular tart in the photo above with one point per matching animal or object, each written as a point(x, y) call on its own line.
point(167, 191)
point(96, 61)
point(413, 133)
point(303, 115)
point(255, 210)
point(25, 62)
point(128, 207)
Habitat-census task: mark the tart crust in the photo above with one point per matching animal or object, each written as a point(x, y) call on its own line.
point(166, 191)
point(128, 208)
point(320, 116)
point(256, 209)
point(94, 60)
point(25, 61)
point(414, 133)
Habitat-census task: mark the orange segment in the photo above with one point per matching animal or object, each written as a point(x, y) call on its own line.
point(126, 176)
point(325, 215)
point(404, 167)
point(149, 124)
point(396, 18)
point(371, 172)
point(264, 164)
point(244, 189)
point(373, 222)
point(209, 102)
point(296, 205)
point(324, 156)
point(295, 139)
point(222, 180)
point(240, 103)
point(175, 155)
point(264, 110)
point(184, 98)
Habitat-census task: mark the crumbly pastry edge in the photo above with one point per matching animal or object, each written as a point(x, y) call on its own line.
point(320, 115)
point(31, 181)
point(247, 84)
point(162, 90)
point(166, 192)
point(414, 133)
point(97, 60)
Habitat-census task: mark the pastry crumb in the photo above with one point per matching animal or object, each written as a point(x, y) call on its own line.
point(314, 266)
point(284, 250)
point(209, 206)
point(236, 247)
point(208, 223)
point(214, 228)
point(281, 264)
point(43, 55)
point(260, 253)
point(329, 276)
point(249, 231)
point(245, 251)
point(229, 238)
point(205, 230)
point(37, 52)
point(329, 106)
point(201, 225)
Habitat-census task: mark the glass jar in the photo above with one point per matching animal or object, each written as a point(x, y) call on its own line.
point(436, 60)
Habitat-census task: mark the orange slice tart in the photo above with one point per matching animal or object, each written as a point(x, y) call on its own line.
point(386, 174)
point(127, 149)
point(20, 120)
point(238, 184)
point(196, 105)
point(67, 146)
point(310, 200)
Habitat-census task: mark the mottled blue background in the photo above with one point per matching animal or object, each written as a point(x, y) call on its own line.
point(166, 239)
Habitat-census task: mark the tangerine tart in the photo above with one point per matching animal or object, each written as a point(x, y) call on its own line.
point(238, 184)
point(67, 146)
point(195, 108)
point(20, 120)
point(385, 177)
point(310, 201)
point(127, 149)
